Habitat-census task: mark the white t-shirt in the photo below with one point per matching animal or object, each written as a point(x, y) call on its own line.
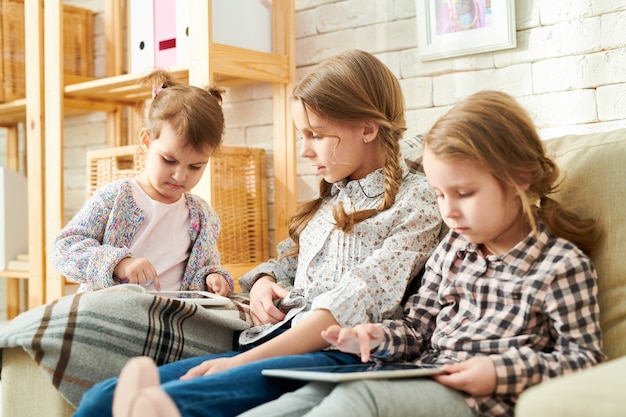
point(163, 238)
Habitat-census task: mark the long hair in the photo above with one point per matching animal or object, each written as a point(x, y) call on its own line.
point(350, 87)
point(194, 113)
point(491, 129)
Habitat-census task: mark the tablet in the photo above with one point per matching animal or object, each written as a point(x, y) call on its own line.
point(204, 298)
point(340, 373)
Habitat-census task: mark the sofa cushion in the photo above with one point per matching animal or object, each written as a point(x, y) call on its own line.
point(593, 392)
point(595, 186)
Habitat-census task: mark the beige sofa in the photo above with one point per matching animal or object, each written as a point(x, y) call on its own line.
point(595, 169)
point(596, 183)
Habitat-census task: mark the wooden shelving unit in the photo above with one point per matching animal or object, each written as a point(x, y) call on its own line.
point(12, 113)
point(51, 96)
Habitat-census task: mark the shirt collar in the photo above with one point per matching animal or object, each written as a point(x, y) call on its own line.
point(372, 186)
point(517, 259)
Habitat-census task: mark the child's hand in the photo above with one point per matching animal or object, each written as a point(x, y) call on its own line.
point(213, 366)
point(262, 296)
point(137, 271)
point(217, 284)
point(475, 376)
point(360, 339)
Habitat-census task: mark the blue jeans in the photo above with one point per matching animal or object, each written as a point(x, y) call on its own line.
point(226, 393)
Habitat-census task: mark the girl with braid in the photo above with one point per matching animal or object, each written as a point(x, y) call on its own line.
point(349, 258)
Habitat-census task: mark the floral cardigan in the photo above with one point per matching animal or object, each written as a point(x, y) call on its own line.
point(98, 237)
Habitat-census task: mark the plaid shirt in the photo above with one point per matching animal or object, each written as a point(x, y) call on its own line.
point(533, 310)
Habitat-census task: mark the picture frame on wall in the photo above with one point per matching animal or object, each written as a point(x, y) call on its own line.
point(451, 28)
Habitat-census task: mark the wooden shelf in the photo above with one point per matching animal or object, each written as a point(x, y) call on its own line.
point(14, 274)
point(231, 66)
point(105, 94)
point(12, 112)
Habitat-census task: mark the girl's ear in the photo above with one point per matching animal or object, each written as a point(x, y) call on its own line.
point(523, 180)
point(144, 139)
point(370, 131)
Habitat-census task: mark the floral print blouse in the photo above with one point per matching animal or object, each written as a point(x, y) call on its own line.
point(359, 276)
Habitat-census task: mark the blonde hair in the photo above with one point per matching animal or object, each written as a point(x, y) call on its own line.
point(491, 129)
point(354, 86)
point(194, 113)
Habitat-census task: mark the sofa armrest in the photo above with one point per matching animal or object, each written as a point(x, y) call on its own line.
point(26, 391)
point(597, 391)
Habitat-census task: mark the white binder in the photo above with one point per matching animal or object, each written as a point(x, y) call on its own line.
point(141, 36)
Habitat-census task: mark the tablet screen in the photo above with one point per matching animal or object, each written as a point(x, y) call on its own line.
point(357, 371)
point(204, 298)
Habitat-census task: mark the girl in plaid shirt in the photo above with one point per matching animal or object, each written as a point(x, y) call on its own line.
point(509, 298)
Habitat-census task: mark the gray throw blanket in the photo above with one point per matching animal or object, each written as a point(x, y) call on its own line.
point(81, 339)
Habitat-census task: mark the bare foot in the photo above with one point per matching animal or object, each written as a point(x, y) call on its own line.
point(153, 402)
point(137, 374)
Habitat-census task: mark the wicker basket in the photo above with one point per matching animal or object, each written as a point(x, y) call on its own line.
point(238, 195)
point(112, 164)
point(77, 46)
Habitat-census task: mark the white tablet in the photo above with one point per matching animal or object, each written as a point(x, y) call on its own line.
point(341, 373)
point(204, 298)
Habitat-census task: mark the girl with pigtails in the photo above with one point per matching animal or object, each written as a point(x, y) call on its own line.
point(150, 230)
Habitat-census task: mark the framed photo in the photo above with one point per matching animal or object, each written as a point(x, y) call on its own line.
point(450, 28)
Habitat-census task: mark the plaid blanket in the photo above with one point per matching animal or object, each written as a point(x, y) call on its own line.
point(81, 339)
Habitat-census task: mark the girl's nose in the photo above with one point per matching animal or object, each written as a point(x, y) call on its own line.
point(448, 208)
point(305, 150)
point(179, 174)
